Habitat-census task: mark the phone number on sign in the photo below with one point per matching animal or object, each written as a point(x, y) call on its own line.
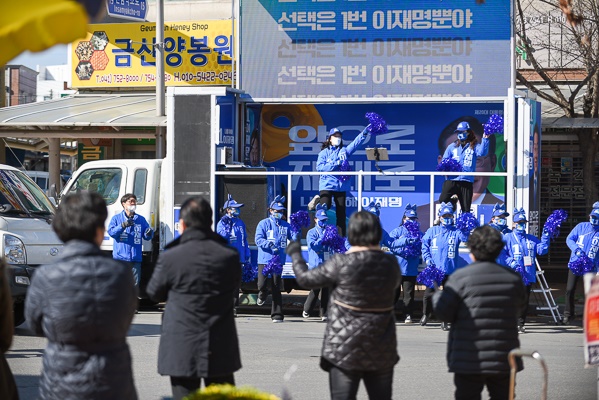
point(209, 76)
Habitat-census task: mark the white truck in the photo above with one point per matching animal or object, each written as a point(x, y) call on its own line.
point(27, 238)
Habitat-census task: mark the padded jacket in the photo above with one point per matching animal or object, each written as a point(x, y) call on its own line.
point(360, 332)
point(84, 305)
point(482, 302)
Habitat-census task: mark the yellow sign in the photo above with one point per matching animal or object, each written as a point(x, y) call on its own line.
point(123, 55)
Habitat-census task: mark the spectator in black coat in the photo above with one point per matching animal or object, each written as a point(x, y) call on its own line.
point(359, 341)
point(8, 387)
point(84, 305)
point(482, 302)
point(198, 277)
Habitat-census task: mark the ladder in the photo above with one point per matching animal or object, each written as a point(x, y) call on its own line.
point(544, 288)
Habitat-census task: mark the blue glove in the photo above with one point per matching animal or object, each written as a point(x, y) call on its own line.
point(514, 264)
point(148, 232)
point(579, 253)
point(429, 262)
point(411, 241)
point(273, 247)
point(128, 222)
point(366, 130)
point(545, 232)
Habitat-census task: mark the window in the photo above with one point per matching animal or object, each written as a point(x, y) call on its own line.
point(105, 181)
point(139, 185)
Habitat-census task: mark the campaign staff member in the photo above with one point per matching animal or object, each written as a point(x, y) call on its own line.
point(465, 150)
point(331, 158)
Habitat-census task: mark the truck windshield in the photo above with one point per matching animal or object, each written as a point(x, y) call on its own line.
point(19, 194)
point(104, 181)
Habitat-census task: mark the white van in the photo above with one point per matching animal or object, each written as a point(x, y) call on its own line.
point(27, 238)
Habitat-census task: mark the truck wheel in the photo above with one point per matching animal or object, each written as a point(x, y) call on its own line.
point(19, 313)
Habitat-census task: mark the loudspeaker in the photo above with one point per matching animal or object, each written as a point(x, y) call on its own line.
point(250, 190)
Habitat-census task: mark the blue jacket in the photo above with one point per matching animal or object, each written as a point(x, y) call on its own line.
point(440, 245)
point(330, 159)
point(585, 236)
point(272, 230)
point(235, 234)
point(399, 237)
point(466, 157)
point(501, 260)
point(127, 242)
point(519, 245)
point(317, 252)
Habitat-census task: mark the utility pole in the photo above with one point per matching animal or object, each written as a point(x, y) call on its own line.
point(160, 112)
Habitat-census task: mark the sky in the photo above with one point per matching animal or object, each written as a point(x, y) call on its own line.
point(56, 55)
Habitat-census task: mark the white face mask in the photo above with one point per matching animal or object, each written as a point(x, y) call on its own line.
point(132, 208)
point(335, 141)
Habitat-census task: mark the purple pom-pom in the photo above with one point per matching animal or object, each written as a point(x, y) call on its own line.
point(449, 165)
point(520, 269)
point(377, 124)
point(299, 220)
point(227, 223)
point(413, 249)
point(249, 272)
point(430, 275)
point(581, 265)
point(494, 125)
point(344, 167)
point(554, 222)
point(273, 267)
point(332, 239)
point(466, 222)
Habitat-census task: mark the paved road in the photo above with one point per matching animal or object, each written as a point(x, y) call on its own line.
point(270, 350)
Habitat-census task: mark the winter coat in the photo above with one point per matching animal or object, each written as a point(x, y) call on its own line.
point(519, 245)
point(408, 265)
point(440, 246)
point(198, 276)
point(127, 242)
point(330, 159)
point(360, 332)
point(232, 229)
point(481, 302)
point(8, 387)
point(466, 156)
point(585, 236)
point(272, 230)
point(84, 305)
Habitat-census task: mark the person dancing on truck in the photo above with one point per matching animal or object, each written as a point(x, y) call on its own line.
point(232, 229)
point(522, 249)
point(128, 229)
point(331, 158)
point(272, 234)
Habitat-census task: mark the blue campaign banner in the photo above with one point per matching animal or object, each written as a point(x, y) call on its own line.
point(227, 114)
point(375, 48)
point(292, 135)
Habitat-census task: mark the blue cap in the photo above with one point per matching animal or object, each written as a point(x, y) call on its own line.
point(410, 211)
point(499, 210)
point(519, 215)
point(230, 203)
point(596, 204)
point(278, 203)
point(322, 215)
point(446, 208)
point(374, 208)
point(463, 126)
point(595, 212)
point(333, 132)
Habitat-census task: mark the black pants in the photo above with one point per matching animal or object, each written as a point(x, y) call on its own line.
point(344, 384)
point(325, 198)
point(275, 283)
point(184, 386)
point(311, 299)
point(470, 386)
point(570, 292)
point(524, 311)
point(462, 188)
point(407, 285)
point(427, 306)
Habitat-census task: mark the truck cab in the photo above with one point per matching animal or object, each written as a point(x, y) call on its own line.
point(27, 237)
point(114, 178)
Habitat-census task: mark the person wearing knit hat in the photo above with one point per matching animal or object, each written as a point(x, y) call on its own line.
point(233, 230)
point(583, 240)
point(521, 253)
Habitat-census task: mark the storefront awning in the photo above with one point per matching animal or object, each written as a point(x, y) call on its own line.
point(84, 115)
point(571, 123)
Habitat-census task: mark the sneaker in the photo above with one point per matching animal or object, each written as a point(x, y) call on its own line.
point(324, 318)
point(423, 320)
point(313, 202)
point(521, 329)
point(277, 321)
point(566, 320)
point(305, 314)
point(259, 301)
point(408, 320)
point(444, 326)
